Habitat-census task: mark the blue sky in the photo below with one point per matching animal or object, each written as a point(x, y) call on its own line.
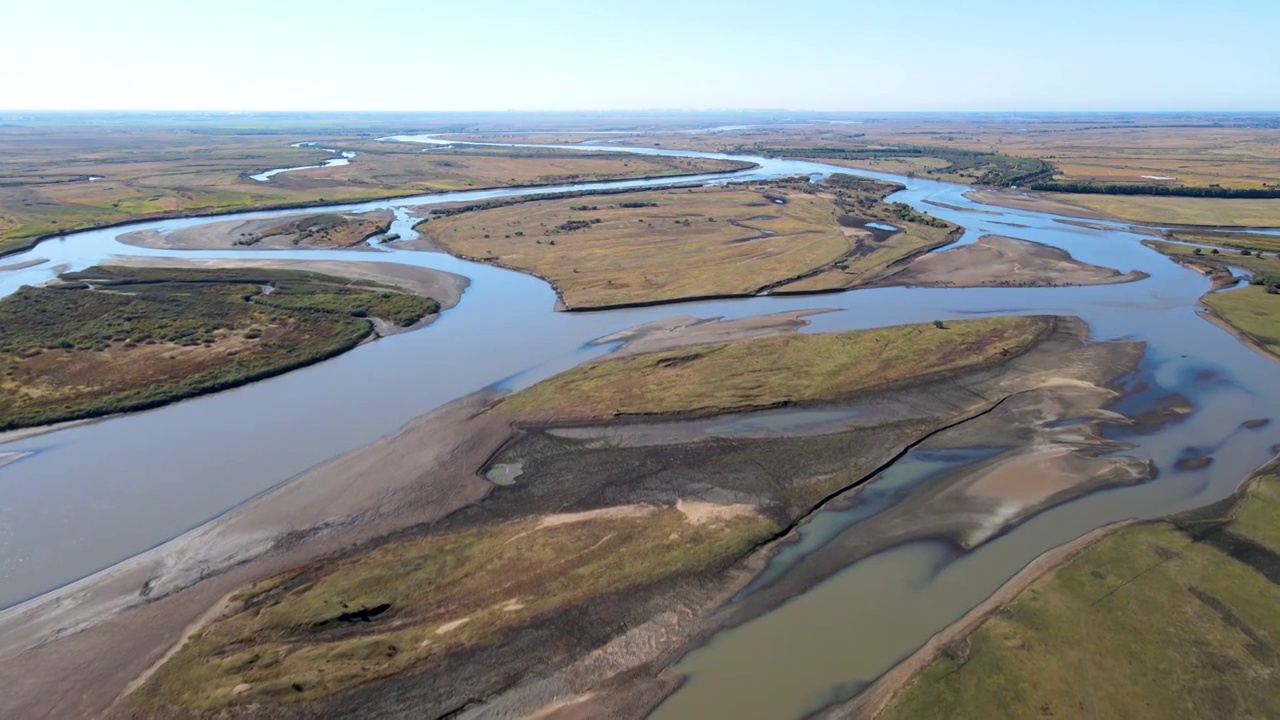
point(574, 54)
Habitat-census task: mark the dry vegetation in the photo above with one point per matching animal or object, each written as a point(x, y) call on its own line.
point(1173, 619)
point(141, 172)
point(773, 371)
point(664, 245)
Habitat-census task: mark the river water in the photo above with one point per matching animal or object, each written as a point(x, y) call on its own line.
point(78, 500)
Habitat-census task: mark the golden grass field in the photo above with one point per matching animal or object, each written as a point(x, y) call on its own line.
point(789, 369)
point(678, 243)
point(44, 185)
point(1151, 622)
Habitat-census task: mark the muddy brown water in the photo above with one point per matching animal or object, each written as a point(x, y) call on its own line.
point(78, 500)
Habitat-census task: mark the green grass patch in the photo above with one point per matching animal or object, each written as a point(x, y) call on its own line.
point(1251, 310)
point(781, 370)
point(1144, 624)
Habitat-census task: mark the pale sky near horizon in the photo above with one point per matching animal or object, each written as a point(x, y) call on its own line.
point(698, 54)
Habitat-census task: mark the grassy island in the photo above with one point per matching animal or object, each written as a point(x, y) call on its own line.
point(666, 245)
point(116, 339)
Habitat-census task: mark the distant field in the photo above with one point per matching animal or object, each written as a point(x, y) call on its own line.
point(1163, 620)
point(136, 338)
point(1180, 210)
point(60, 179)
point(670, 244)
point(781, 370)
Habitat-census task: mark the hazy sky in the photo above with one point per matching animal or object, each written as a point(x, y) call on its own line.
point(575, 54)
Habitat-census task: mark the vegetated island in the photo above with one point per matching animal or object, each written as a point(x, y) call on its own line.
point(1252, 313)
point(115, 339)
point(655, 246)
point(1172, 619)
point(537, 577)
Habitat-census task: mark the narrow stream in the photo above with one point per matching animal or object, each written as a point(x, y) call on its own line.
point(83, 498)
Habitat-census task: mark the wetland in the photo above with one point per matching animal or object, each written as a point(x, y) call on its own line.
point(915, 489)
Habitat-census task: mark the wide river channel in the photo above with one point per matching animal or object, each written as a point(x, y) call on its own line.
point(78, 500)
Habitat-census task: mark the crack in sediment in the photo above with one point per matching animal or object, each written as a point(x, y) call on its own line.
point(826, 499)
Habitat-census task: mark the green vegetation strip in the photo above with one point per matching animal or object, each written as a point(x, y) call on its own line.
point(1167, 620)
point(1254, 310)
point(327, 627)
point(116, 339)
point(775, 371)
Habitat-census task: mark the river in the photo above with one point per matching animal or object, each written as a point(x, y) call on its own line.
point(81, 499)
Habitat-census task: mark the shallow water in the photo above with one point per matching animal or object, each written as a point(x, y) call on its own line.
point(81, 499)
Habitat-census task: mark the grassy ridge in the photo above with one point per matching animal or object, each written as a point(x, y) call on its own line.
point(789, 369)
point(113, 339)
point(1165, 620)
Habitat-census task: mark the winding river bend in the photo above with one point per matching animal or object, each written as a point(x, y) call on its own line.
point(78, 500)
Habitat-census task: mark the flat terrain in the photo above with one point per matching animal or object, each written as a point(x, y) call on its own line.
point(997, 261)
point(115, 339)
point(57, 179)
point(773, 371)
point(1172, 619)
point(665, 245)
point(1179, 210)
